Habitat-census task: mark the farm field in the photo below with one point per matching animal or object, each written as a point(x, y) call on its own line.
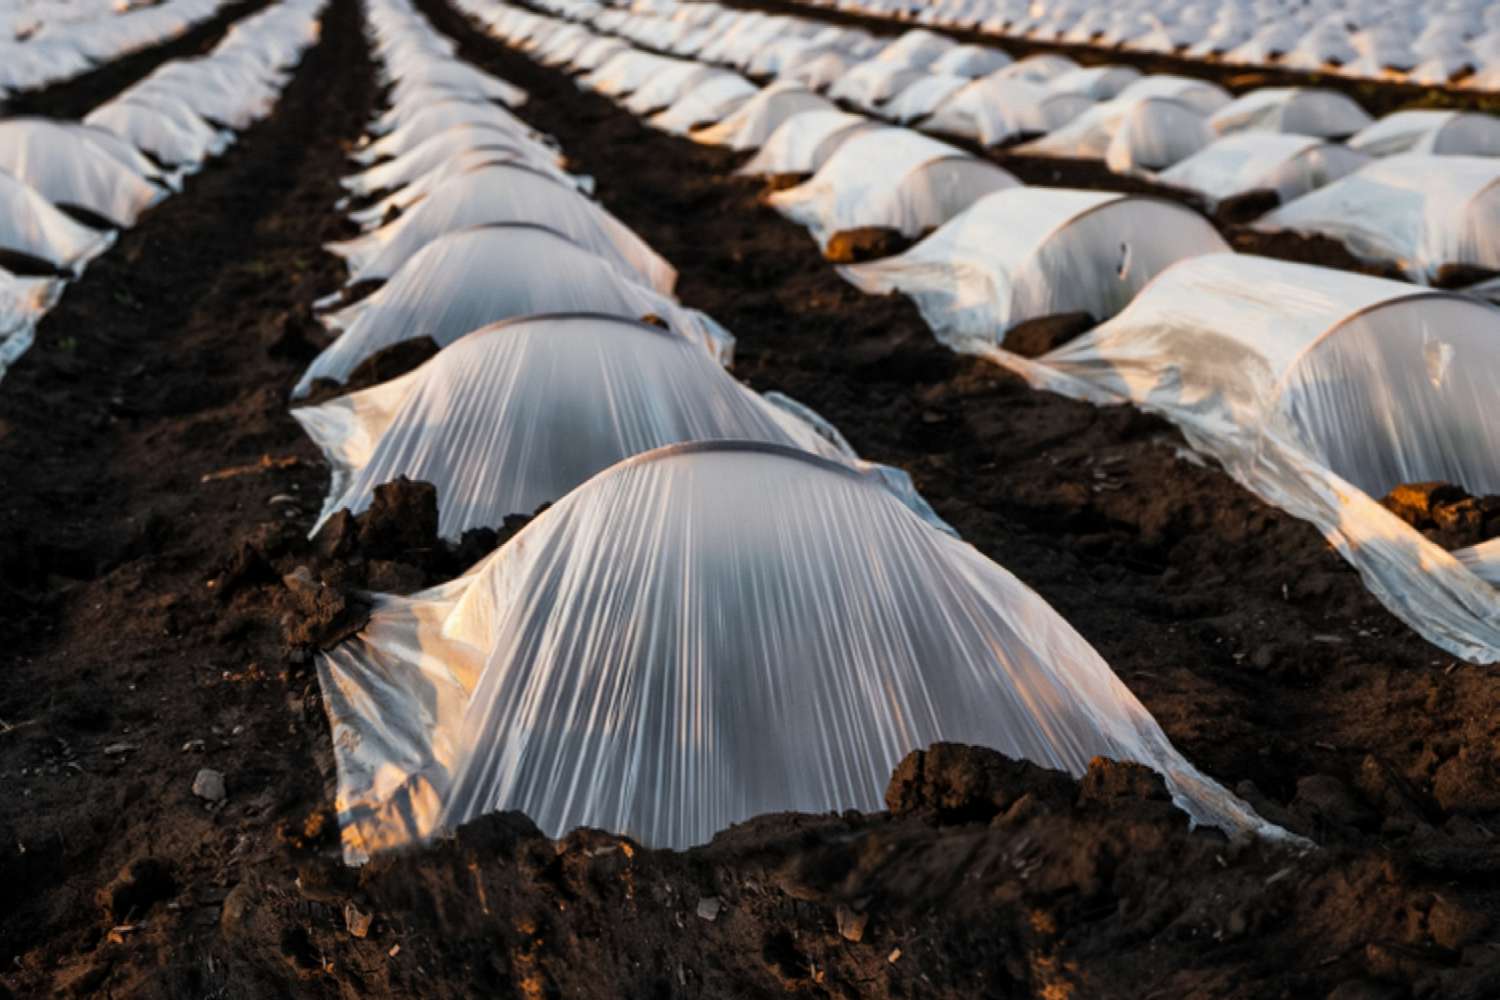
point(173, 644)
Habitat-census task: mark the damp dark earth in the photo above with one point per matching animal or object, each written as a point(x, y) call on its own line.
point(168, 823)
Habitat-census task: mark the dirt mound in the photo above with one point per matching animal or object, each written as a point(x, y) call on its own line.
point(1446, 514)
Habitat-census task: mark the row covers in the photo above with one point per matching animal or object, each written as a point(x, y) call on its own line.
point(724, 613)
point(1317, 389)
point(46, 44)
point(128, 155)
point(1418, 189)
point(1433, 44)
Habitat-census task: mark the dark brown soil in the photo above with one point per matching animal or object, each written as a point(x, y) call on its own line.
point(1445, 513)
point(156, 501)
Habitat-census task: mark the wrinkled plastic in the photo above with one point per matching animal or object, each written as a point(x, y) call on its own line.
point(29, 224)
point(890, 178)
point(66, 166)
point(708, 102)
point(1027, 253)
point(502, 193)
point(710, 632)
point(1447, 133)
point(516, 414)
point(753, 122)
point(453, 286)
point(1319, 390)
point(1129, 134)
point(442, 149)
point(805, 141)
point(436, 119)
point(1325, 114)
point(163, 126)
point(1290, 165)
point(997, 109)
point(23, 301)
point(1419, 212)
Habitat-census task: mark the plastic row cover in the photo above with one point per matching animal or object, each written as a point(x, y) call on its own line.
point(57, 53)
point(706, 633)
point(452, 286)
point(496, 194)
point(516, 414)
point(1320, 390)
point(1029, 253)
point(890, 178)
point(1418, 211)
point(1289, 165)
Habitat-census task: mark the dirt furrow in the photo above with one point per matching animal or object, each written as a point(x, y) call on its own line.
point(132, 439)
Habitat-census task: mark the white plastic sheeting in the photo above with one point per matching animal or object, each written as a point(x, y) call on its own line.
point(516, 414)
point(923, 96)
point(1326, 114)
point(1027, 253)
point(30, 225)
point(710, 101)
point(806, 141)
point(1320, 390)
point(994, 110)
point(453, 285)
point(501, 193)
point(67, 166)
point(441, 149)
point(23, 301)
point(436, 119)
point(872, 83)
point(1097, 83)
point(1290, 165)
point(1419, 212)
point(163, 126)
point(969, 60)
point(1202, 96)
point(705, 633)
point(890, 178)
point(753, 122)
point(1450, 133)
point(1129, 134)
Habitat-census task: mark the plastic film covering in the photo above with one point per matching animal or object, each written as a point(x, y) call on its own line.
point(1028, 253)
point(804, 142)
point(1097, 83)
point(821, 72)
point(1319, 390)
point(30, 225)
point(1036, 68)
point(1326, 114)
point(626, 71)
point(452, 286)
point(223, 91)
point(1448, 133)
point(23, 301)
point(441, 149)
point(1129, 134)
point(378, 213)
point(1290, 165)
point(516, 414)
point(891, 178)
point(970, 60)
point(67, 166)
point(163, 126)
point(995, 110)
point(436, 119)
point(1419, 212)
point(457, 77)
point(705, 633)
point(921, 97)
point(753, 122)
point(1200, 95)
point(502, 193)
point(710, 101)
point(870, 84)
